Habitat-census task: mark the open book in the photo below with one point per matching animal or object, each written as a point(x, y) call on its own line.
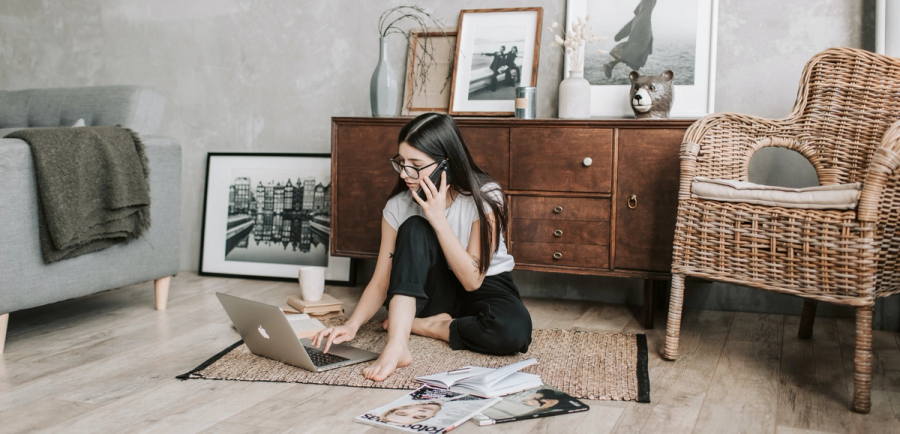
point(427, 410)
point(486, 382)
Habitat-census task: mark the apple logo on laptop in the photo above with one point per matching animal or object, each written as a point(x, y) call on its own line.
point(262, 331)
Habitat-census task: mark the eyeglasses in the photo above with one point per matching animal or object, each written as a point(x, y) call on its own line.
point(414, 173)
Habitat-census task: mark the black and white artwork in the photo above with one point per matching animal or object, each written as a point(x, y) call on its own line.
point(497, 50)
point(496, 68)
point(281, 217)
point(267, 215)
point(649, 36)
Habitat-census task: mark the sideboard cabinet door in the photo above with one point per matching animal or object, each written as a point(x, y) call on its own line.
point(647, 198)
point(489, 147)
point(361, 184)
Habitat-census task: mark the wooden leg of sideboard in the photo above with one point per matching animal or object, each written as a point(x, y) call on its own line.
point(4, 320)
point(162, 292)
point(649, 304)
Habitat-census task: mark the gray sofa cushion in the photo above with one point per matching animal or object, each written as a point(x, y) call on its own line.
point(138, 108)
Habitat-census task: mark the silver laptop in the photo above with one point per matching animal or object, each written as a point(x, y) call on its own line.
point(267, 333)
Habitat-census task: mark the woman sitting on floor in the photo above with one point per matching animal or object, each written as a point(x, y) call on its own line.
point(443, 270)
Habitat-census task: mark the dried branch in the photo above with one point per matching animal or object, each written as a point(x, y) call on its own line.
point(573, 41)
point(389, 24)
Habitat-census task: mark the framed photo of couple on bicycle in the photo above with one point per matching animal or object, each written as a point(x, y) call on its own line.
point(497, 50)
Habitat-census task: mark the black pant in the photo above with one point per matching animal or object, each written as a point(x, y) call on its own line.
point(491, 319)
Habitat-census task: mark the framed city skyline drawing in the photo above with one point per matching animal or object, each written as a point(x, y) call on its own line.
point(267, 215)
point(649, 36)
point(497, 50)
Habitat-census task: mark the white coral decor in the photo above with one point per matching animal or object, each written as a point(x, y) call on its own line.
point(574, 42)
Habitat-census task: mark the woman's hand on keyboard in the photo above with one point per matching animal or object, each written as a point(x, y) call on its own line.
point(337, 335)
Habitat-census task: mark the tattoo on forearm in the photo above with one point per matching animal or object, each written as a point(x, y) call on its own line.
point(475, 262)
point(390, 255)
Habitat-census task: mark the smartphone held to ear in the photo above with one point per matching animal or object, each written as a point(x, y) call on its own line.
point(435, 178)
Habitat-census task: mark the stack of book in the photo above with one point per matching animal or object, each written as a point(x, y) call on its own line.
point(327, 307)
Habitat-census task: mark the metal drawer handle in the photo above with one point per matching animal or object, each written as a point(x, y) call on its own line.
point(557, 209)
point(557, 255)
point(557, 233)
point(632, 202)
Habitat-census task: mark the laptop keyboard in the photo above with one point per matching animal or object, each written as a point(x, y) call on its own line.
point(321, 359)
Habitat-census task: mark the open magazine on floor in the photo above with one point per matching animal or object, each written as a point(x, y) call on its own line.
point(486, 382)
point(529, 404)
point(427, 410)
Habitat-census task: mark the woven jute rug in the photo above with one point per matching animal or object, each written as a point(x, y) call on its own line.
point(603, 366)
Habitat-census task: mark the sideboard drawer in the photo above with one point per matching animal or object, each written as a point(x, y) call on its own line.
point(554, 159)
point(560, 231)
point(571, 255)
point(560, 208)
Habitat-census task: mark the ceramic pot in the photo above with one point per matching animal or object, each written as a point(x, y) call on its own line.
point(383, 90)
point(575, 97)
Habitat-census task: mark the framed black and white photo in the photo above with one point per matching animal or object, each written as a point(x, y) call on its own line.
point(497, 50)
point(267, 215)
point(649, 36)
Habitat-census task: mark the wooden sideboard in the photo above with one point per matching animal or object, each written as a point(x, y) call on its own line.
point(592, 197)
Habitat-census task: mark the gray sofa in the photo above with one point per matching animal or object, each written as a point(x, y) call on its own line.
point(25, 280)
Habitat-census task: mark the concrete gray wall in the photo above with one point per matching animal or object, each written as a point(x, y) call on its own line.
point(268, 76)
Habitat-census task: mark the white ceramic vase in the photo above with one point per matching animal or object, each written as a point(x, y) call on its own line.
point(383, 90)
point(575, 97)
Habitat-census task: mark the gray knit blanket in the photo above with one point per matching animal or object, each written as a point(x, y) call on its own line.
point(93, 185)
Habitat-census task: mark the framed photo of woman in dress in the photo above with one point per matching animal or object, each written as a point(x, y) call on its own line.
point(497, 50)
point(649, 36)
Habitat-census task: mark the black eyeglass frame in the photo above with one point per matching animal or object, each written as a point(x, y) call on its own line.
point(398, 167)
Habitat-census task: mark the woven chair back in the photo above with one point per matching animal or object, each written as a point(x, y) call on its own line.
point(847, 100)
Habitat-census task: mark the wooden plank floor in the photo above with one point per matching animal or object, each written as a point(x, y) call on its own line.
point(107, 362)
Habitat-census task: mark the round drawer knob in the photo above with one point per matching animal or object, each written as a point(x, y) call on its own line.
point(557, 233)
point(557, 209)
point(557, 255)
point(588, 161)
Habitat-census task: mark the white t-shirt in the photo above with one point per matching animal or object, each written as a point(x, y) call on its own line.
point(461, 214)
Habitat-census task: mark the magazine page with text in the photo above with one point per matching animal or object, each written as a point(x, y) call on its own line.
point(427, 410)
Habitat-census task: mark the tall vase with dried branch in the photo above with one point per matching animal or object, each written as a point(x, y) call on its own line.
point(383, 89)
point(575, 90)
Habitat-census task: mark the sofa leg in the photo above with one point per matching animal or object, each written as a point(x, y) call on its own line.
point(162, 292)
point(4, 320)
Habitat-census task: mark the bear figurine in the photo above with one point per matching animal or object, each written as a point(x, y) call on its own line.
point(652, 95)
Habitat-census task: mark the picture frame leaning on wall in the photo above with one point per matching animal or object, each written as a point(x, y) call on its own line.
point(682, 35)
point(429, 69)
point(266, 215)
point(497, 50)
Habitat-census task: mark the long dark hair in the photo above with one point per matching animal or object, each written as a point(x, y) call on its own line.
point(437, 135)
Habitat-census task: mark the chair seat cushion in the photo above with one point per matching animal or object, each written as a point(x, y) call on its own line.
point(838, 196)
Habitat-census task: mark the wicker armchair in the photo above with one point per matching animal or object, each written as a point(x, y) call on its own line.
point(842, 122)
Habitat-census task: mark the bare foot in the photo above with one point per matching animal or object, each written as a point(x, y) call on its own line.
point(393, 357)
point(437, 327)
point(385, 324)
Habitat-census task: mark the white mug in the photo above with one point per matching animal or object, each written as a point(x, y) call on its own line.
point(312, 283)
